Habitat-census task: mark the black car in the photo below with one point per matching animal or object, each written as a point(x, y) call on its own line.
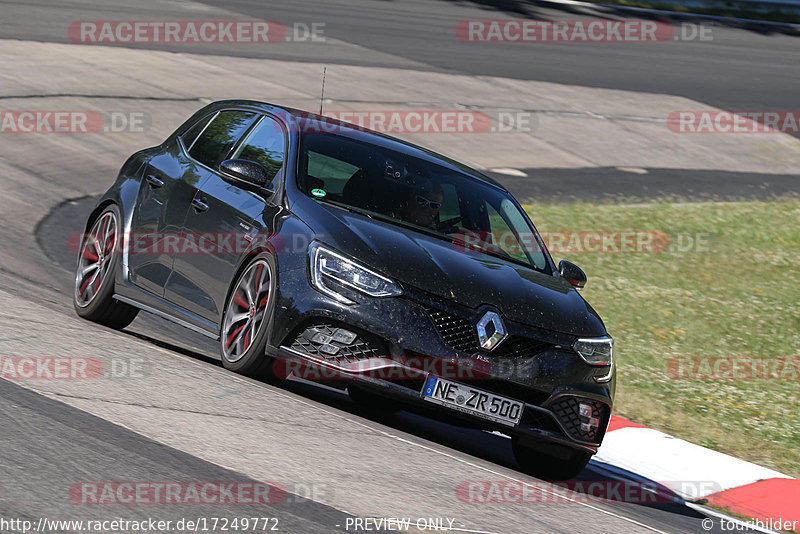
point(314, 247)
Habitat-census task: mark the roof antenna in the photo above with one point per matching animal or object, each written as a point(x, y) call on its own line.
point(322, 94)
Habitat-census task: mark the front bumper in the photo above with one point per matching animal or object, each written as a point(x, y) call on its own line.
point(402, 339)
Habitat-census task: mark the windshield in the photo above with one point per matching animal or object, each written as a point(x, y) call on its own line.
point(415, 193)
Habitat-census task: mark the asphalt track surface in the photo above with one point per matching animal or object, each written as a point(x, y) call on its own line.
point(70, 444)
point(50, 444)
point(740, 69)
point(601, 184)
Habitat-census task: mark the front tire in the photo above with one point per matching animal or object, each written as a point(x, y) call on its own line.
point(547, 466)
point(98, 263)
point(247, 320)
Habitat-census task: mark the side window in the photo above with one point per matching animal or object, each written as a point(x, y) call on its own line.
point(450, 209)
point(513, 217)
point(504, 237)
point(511, 234)
point(219, 137)
point(265, 145)
point(333, 172)
point(191, 134)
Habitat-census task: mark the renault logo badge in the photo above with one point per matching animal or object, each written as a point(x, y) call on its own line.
point(490, 330)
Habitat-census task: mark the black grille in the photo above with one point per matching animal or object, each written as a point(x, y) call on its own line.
point(517, 346)
point(363, 347)
point(541, 421)
point(567, 411)
point(456, 332)
point(460, 334)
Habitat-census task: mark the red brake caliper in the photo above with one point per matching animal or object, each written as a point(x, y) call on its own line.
point(91, 257)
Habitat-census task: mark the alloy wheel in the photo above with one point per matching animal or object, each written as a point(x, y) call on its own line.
point(246, 311)
point(95, 258)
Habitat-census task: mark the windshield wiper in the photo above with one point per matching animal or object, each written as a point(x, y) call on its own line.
point(348, 207)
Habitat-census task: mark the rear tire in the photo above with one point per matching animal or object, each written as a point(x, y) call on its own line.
point(547, 466)
point(248, 320)
point(98, 264)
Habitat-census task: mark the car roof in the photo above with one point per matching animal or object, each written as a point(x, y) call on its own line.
point(319, 123)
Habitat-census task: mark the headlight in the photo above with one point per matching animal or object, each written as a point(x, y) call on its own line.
point(597, 351)
point(329, 265)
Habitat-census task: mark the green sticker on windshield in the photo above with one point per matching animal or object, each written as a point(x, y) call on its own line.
point(318, 192)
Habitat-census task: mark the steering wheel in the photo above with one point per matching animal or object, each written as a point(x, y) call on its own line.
point(449, 226)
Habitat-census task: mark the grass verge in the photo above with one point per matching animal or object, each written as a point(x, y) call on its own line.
point(736, 295)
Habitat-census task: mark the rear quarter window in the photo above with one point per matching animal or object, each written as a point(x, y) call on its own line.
point(217, 140)
point(191, 134)
point(264, 145)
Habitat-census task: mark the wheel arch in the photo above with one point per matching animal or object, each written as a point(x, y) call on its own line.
point(98, 209)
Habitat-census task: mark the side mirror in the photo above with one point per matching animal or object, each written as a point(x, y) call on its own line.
point(572, 273)
point(245, 173)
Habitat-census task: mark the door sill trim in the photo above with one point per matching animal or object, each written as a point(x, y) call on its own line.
point(167, 316)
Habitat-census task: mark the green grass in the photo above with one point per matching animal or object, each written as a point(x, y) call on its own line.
point(738, 297)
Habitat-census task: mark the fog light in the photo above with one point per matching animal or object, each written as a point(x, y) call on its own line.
point(329, 349)
point(589, 424)
point(341, 335)
point(322, 339)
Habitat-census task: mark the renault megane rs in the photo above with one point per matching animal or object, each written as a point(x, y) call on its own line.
point(300, 242)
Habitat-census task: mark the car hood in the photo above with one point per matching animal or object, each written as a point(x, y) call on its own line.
point(469, 278)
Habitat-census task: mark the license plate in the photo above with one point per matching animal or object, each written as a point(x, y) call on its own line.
point(473, 401)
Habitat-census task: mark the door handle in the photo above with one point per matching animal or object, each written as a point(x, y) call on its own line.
point(199, 205)
point(154, 181)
